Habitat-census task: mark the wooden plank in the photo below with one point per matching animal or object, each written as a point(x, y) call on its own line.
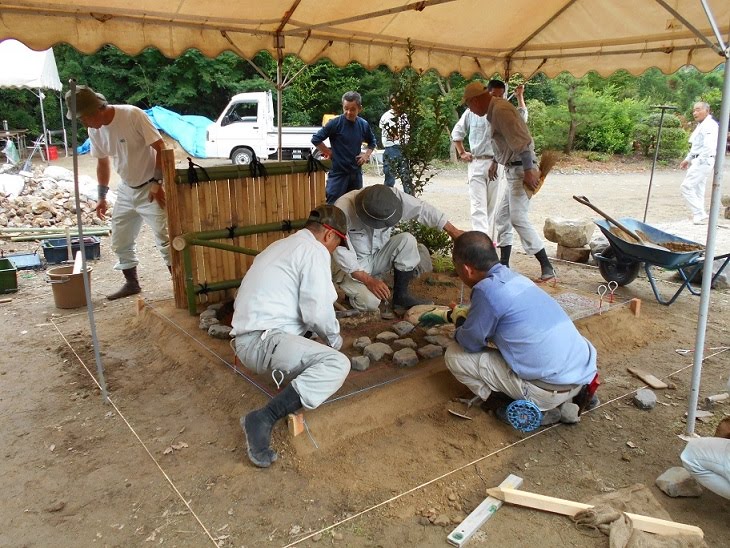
point(648, 378)
point(570, 508)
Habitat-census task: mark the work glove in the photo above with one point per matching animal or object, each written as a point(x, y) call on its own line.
point(457, 316)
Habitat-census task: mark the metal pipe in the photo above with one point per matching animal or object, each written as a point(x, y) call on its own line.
point(664, 108)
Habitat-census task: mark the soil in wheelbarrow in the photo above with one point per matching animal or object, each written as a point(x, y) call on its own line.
point(676, 247)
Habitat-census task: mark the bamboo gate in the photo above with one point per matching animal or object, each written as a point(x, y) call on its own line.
point(216, 226)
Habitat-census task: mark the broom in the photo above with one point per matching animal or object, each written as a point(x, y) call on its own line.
point(548, 159)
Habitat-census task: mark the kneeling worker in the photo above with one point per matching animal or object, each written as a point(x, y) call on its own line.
point(535, 352)
point(287, 293)
point(371, 215)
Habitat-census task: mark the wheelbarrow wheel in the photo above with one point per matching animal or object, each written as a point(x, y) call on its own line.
point(613, 270)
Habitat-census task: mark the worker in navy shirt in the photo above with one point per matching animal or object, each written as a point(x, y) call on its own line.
point(346, 133)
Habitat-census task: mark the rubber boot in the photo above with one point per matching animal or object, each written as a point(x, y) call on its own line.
point(130, 287)
point(547, 269)
point(401, 297)
point(504, 252)
point(257, 425)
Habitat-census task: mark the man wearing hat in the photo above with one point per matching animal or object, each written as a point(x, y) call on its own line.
point(515, 150)
point(124, 134)
point(287, 295)
point(372, 213)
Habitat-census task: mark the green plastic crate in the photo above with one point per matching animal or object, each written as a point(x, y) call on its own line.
point(8, 277)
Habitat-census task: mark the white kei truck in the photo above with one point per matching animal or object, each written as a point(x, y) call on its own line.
point(246, 127)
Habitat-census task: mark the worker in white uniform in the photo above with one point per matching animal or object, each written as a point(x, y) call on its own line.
point(515, 150)
point(371, 215)
point(700, 159)
point(286, 295)
point(125, 134)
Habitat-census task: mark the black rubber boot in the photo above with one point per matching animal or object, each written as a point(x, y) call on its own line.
point(504, 252)
point(257, 425)
point(401, 297)
point(547, 269)
point(130, 287)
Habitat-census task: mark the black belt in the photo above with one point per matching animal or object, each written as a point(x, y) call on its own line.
point(693, 156)
point(557, 388)
point(517, 163)
point(140, 186)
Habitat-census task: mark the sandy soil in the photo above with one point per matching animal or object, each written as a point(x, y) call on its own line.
point(165, 464)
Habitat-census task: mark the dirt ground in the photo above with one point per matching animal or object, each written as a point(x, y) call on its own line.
point(165, 463)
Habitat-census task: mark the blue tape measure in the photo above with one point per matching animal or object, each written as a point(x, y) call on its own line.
point(524, 415)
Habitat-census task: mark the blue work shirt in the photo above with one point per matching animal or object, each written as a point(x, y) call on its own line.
point(535, 336)
point(346, 139)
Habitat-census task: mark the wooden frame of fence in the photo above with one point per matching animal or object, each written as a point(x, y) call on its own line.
point(232, 198)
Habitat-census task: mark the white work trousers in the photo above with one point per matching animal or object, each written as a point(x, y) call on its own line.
point(708, 460)
point(693, 186)
point(318, 370)
point(483, 195)
point(400, 252)
point(514, 212)
point(132, 207)
point(487, 372)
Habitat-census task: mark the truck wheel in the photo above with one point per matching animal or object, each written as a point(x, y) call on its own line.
point(242, 156)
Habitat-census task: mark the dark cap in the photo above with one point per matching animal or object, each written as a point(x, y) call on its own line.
point(87, 101)
point(378, 206)
point(331, 217)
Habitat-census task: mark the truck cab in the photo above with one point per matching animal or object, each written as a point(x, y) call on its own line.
point(246, 128)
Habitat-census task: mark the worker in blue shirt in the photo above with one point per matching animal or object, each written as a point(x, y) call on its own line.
point(515, 338)
point(346, 133)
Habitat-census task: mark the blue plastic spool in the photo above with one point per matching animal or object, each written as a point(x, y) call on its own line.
point(524, 415)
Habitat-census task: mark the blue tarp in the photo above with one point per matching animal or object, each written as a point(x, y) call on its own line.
point(188, 130)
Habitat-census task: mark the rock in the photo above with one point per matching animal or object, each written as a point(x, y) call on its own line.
point(568, 233)
point(59, 173)
point(725, 200)
point(573, 254)
point(360, 363)
point(361, 342)
point(386, 336)
point(419, 310)
point(377, 350)
point(569, 413)
point(207, 321)
point(424, 521)
point(207, 313)
point(403, 328)
point(440, 340)
point(337, 536)
point(645, 399)
point(677, 482)
point(727, 212)
point(430, 351)
point(442, 520)
point(721, 282)
point(218, 331)
point(405, 357)
point(405, 343)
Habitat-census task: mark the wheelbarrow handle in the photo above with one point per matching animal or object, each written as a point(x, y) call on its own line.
point(585, 201)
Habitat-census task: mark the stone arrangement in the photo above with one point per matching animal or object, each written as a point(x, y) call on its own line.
point(46, 199)
point(572, 237)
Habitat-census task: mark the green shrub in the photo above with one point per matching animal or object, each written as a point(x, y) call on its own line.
point(673, 143)
point(436, 240)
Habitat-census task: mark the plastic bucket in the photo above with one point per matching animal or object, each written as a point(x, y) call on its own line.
point(52, 153)
point(68, 288)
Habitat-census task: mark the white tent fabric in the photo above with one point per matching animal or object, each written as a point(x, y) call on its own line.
point(21, 67)
point(466, 36)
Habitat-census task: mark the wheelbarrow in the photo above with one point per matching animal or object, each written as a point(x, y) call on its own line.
point(622, 260)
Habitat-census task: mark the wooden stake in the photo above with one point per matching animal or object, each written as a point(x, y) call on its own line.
point(635, 307)
point(295, 421)
point(648, 378)
point(570, 508)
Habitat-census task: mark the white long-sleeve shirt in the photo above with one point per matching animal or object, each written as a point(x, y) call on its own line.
point(703, 141)
point(289, 287)
point(365, 241)
point(479, 130)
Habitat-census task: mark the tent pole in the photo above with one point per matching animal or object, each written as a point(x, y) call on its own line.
point(699, 353)
point(85, 274)
point(44, 137)
point(279, 65)
point(63, 122)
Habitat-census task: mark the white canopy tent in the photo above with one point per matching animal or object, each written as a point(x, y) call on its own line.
point(466, 36)
point(23, 68)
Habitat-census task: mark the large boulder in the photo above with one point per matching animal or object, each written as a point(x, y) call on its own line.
point(573, 254)
point(568, 232)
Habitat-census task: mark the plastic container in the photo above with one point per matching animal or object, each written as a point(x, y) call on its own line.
point(68, 288)
point(8, 277)
point(55, 250)
point(52, 153)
